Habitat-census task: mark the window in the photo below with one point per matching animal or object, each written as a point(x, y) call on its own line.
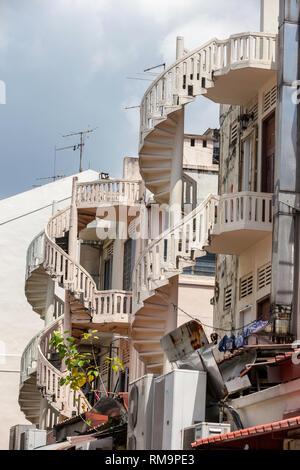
point(192, 142)
point(245, 317)
point(268, 152)
point(107, 266)
point(264, 309)
point(246, 164)
point(204, 143)
point(204, 266)
point(128, 263)
point(107, 275)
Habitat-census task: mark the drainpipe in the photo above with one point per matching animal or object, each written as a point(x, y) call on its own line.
point(285, 249)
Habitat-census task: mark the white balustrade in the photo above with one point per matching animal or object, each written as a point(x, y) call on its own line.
point(217, 214)
point(29, 359)
point(193, 73)
point(245, 210)
point(105, 305)
point(72, 276)
point(112, 303)
point(61, 398)
point(35, 254)
point(96, 192)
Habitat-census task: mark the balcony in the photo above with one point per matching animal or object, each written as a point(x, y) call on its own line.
point(243, 63)
point(234, 222)
point(92, 194)
point(228, 72)
point(111, 312)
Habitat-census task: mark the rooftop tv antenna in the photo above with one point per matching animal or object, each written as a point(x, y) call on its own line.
point(156, 67)
point(79, 146)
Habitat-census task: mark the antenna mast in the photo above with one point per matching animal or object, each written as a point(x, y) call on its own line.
point(79, 146)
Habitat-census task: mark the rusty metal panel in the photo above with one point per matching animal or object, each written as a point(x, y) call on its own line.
point(238, 384)
point(216, 386)
point(232, 368)
point(184, 340)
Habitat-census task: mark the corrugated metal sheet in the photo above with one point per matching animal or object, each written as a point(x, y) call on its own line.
point(184, 340)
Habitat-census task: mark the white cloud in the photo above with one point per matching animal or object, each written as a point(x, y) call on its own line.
point(207, 25)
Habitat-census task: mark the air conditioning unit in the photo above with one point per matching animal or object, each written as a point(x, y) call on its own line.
point(15, 434)
point(140, 406)
point(179, 402)
point(33, 438)
point(203, 431)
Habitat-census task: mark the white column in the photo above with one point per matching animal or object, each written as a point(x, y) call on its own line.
point(171, 316)
point(49, 311)
point(176, 172)
point(117, 267)
point(269, 13)
point(72, 251)
point(179, 47)
point(73, 223)
point(43, 414)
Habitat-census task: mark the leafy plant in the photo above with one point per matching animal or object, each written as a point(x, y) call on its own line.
point(80, 368)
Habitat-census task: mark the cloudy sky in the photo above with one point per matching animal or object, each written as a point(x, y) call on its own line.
point(68, 64)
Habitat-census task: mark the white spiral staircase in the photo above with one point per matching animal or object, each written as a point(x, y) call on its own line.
point(229, 72)
point(103, 310)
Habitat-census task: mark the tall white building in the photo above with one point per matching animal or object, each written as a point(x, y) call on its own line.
point(22, 217)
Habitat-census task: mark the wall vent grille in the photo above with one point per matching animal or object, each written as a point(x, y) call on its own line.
point(227, 297)
point(233, 133)
point(264, 275)
point(270, 98)
point(253, 109)
point(246, 286)
point(108, 250)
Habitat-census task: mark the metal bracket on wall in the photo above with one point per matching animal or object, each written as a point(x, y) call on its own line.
point(290, 199)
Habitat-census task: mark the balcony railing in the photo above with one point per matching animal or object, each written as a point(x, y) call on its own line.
point(229, 213)
point(194, 72)
point(215, 226)
point(61, 398)
point(35, 253)
point(112, 303)
point(97, 192)
point(29, 359)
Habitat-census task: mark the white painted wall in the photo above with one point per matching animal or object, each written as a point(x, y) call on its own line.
point(198, 163)
point(268, 405)
point(269, 12)
point(194, 294)
point(22, 217)
point(197, 155)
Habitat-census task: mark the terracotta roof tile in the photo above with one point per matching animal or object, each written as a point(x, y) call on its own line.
point(284, 424)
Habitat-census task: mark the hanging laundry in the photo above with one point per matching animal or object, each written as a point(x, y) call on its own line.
point(222, 344)
point(240, 341)
point(257, 326)
point(230, 344)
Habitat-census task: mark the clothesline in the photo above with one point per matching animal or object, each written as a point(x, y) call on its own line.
point(213, 327)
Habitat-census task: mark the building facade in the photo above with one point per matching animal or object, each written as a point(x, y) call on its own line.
point(136, 258)
point(22, 217)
